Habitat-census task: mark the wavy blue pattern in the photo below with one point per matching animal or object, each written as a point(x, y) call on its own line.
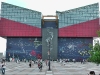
point(29, 48)
point(74, 48)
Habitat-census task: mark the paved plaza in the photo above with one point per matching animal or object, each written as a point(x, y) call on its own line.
point(57, 68)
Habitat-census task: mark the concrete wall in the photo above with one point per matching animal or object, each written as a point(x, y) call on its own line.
point(52, 35)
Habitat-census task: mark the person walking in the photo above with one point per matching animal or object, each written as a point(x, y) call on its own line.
point(46, 62)
point(3, 68)
point(30, 64)
point(40, 65)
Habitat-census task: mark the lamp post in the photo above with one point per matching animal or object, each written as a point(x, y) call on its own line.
point(49, 56)
point(13, 55)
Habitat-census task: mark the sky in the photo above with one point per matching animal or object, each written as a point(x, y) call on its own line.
point(49, 7)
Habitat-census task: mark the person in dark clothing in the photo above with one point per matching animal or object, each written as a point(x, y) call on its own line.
point(30, 64)
point(92, 73)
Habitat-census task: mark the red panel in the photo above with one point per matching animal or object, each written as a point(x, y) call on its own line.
point(12, 28)
point(85, 29)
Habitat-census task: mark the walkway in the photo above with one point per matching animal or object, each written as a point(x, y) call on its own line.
point(57, 69)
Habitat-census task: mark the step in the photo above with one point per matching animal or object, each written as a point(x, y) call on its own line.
point(49, 73)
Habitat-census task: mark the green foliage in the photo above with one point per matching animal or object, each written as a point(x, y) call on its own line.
point(98, 32)
point(95, 53)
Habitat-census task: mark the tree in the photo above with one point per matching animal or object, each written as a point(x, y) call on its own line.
point(95, 51)
point(98, 32)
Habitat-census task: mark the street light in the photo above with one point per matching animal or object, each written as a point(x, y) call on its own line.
point(13, 55)
point(49, 55)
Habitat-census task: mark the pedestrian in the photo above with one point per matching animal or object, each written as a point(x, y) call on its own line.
point(30, 63)
point(91, 73)
point(3, 68)
point(46, 62)
point(40, 65)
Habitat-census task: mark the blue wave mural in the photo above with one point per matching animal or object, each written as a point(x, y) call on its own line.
point(74, 48)
point(29, 48)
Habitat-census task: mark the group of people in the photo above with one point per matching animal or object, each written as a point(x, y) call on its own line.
point(31, 63)
point(39, 62)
